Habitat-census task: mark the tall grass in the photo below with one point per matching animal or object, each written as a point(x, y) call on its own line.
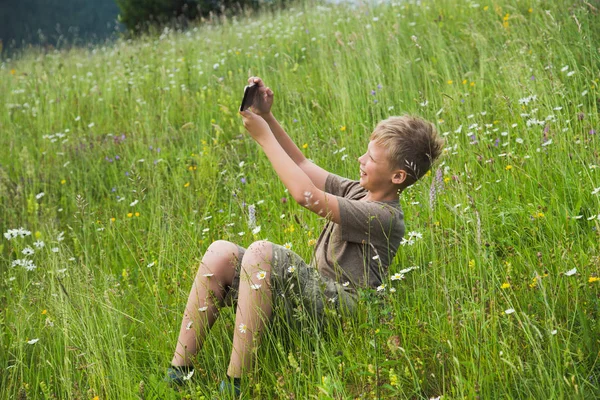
point(128, 161)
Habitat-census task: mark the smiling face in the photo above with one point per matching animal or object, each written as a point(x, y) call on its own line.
point(376, 173)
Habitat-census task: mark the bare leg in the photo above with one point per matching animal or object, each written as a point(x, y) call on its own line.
point(254, 305)
point(216, 271)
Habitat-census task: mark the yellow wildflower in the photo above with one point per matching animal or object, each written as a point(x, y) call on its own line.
point(505, 285)
point(464, 82)
point(13, 71)
point(343, 128)
point(471, 263)
point(530, 10)
point(472, 84)
point(486, 8)
point(129, 215)
point(508, 167)
point(44, 312)
point(113, 219)
point(305, 146)
point(312, 242)
point(450, 82)
point(186, 184)
point(593, 279)
point(137, 214)
point(62, 182)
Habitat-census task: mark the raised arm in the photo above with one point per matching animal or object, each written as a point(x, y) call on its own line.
point(298, 182)
point(262, 107)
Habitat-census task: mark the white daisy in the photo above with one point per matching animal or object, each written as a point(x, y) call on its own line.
point(397, 276)
point(509, 311)
point(33, 341)
point(255, 286)
point(571, 272)
point(27, 251)
point(261, 275)
point(381, 287)
point(291, 269)
point(406, 270)
point(243, 328)
point(203, 309)
point(188, 376)
point(189, 325)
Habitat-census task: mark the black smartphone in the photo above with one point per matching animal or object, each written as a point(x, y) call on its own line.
point(250, 93)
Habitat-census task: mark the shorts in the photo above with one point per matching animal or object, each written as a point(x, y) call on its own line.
point(299, 287)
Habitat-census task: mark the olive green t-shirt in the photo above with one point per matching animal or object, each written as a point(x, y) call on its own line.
point(360, 248)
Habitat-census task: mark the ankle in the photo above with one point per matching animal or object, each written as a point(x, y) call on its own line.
point(183, 368)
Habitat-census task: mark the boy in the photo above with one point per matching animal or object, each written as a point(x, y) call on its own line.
point(364, 229)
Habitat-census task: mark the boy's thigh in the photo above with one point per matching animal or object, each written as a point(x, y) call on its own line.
point(298, 286)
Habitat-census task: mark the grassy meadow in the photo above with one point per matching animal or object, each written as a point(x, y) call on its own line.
point(120, 164)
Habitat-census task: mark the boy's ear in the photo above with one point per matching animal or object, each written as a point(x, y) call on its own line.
point(399, 176)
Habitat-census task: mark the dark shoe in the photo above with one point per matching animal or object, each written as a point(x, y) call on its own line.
point(178, 375)
point(231, 387)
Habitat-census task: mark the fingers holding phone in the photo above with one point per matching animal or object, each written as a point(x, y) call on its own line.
point(263, 99)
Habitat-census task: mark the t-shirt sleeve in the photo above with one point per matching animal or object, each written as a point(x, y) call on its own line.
point(365, 221)
point(338, 186)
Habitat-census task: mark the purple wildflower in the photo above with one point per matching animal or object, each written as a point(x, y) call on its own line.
point(150, 147)
point(496, 142)
point(432, 194)
point(373, 92)
point(117, 157)
point(126, 173)
point(243, 180)
point(439, 178)
point(379, 86)
point(532, 77)
point(295, 120)
point(592, 132)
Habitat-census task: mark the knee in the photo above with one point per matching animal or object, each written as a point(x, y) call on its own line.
point(259, 253)
point(221, 254)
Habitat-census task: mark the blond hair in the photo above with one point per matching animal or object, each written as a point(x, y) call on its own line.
point(411, 143)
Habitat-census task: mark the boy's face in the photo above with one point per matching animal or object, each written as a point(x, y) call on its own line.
point(375, 171)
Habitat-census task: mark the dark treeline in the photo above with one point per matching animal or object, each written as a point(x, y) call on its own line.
point(55, 22)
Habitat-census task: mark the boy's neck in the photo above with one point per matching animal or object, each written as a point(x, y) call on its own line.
point(392, 195)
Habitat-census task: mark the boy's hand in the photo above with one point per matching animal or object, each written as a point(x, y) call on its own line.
point(264, 98)
point(255, 125)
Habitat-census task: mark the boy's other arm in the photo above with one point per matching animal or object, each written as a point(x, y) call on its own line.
point(317, 175)
point(298, 183)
